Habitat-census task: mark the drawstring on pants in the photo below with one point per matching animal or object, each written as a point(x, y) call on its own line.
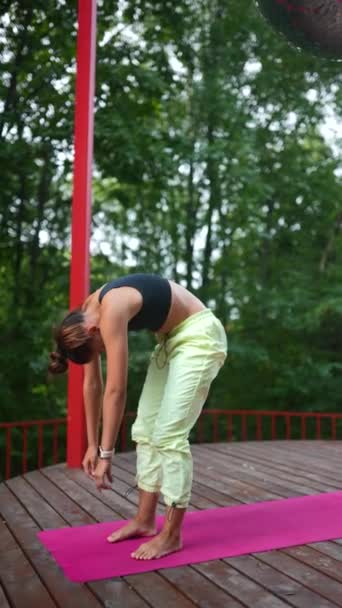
point(162, 350)
point(130, 490)
point(171, 511)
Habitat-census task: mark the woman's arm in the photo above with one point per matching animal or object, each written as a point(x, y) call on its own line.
point(114, 335)
point(92, 395)
point(115, 315)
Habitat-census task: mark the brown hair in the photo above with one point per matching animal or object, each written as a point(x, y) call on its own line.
point(73, 342)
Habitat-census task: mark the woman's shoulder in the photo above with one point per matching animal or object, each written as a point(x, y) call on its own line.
point(92, 298)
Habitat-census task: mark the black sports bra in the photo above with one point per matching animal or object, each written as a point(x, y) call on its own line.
point(156, 294)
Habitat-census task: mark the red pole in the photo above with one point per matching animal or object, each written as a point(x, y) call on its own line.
point(81, 211)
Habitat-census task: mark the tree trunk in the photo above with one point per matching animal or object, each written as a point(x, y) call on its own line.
point(265, 250)
point(330, 244)
point(18, 255)
point(211, 79)
point(214, 201)
point(42, 198)
point(190, 227)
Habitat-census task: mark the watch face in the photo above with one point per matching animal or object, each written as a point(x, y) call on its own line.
point(105, 454)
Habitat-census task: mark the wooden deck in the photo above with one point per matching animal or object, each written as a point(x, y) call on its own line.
point(225, 474)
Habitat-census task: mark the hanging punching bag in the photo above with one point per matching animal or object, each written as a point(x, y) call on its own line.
point(313, 25)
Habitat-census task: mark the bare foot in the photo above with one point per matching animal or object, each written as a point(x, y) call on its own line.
point(133, 528)
point(159, 546)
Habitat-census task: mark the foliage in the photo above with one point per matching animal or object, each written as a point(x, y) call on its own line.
point(210, 168)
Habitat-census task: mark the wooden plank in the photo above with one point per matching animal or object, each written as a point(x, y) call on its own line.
point(309, 448)
point(237, 463)
point(199, 589)
point(94, 507)
point(68, 510)
point(267, 465)
point(240, 587)
point(3, 599)
point(278, 583)
point(288, 454)
point(117, 503)
point(215, 496)
point(239, 490)
point(158, 591)
point(329, 548)
point(332, 447)
point(18, 577)
point(117, 593)
point(66, 594)
point(302, 573)
point(208, 462)
point(313, 557)
point(319, 460)
point(87, 596)
point(39, 510)
point(318, 487)
point(285, 489)
point(57, 499)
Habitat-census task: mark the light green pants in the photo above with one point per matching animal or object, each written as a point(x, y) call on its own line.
point(179, 376)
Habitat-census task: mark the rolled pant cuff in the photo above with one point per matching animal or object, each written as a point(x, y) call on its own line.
point(146, 488)
point(177, 505)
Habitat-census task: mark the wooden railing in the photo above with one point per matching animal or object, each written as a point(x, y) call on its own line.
point(29, 440)
point(251, 425)
point(33, 444)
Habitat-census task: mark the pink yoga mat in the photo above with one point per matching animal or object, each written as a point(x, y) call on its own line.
point(84, 554)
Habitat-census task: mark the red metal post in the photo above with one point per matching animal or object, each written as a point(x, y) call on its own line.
point(24, 450)
point(244, 427)
point(8, 452)
point(55, 444)
point(40, 446)
point(81, 211)
point(259, 427)
point(288, 426)
point(229, 427)
point(303, 427)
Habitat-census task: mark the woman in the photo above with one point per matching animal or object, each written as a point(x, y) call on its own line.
point(192, 347)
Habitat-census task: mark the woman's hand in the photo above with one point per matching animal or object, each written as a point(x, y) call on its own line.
point(102, 472)
point(90, 461)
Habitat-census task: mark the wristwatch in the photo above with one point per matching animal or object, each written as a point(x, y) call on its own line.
point(105, 454)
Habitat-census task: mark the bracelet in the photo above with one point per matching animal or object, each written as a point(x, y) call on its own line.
point(106, 454)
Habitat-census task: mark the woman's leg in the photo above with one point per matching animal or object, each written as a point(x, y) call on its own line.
point(148, 459)
point(193, 367)
point(144, 523)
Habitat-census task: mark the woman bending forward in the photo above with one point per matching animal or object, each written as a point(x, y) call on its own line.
point(191, 349)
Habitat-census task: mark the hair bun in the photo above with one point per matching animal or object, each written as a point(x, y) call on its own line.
point(58, 363)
